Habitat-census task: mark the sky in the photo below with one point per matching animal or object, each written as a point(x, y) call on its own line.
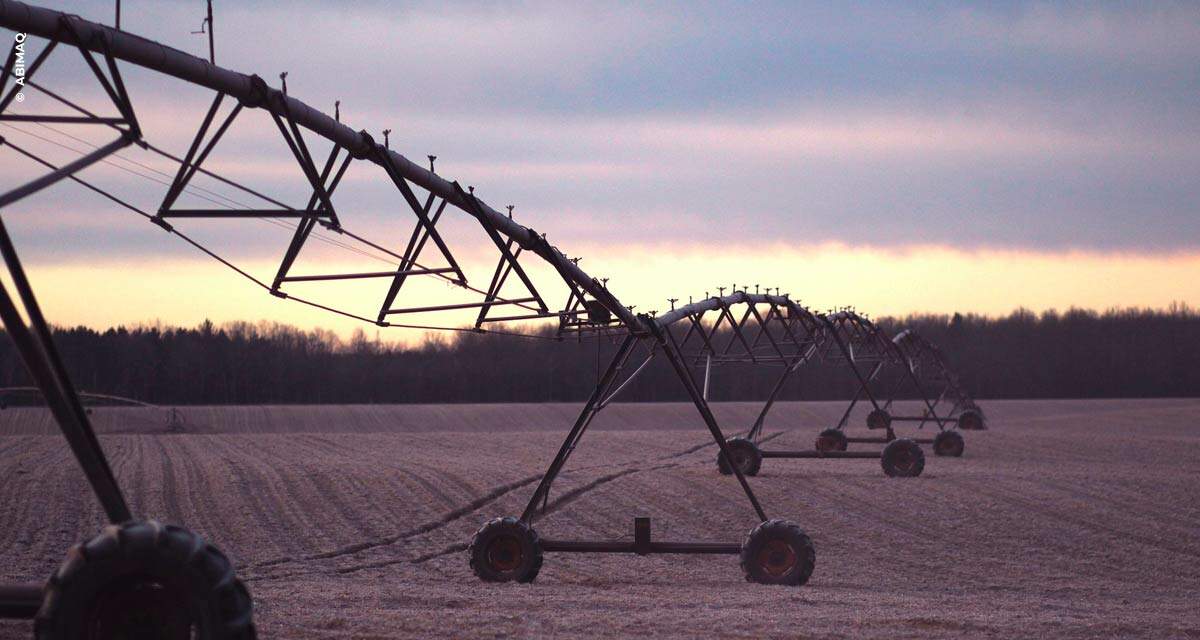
point(897, 158)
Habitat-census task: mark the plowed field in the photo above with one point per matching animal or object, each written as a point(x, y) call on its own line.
point(1065, 519)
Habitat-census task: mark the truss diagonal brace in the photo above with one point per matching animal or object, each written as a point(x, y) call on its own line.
point(398, 179)
point(416, 243)
point(64, 171)
point(320, 193)
point(685, 377)
point(295, 141)
point(581, 422)
point(191, 161)
point(505, 252)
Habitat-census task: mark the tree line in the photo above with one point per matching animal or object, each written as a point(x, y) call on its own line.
point(1072, 354)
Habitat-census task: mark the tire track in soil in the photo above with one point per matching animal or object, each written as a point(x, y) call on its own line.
point(13, 443)
point(170, 496)
point(433, 525)
point(553, 505)
point(427, 527)
point(563, 500)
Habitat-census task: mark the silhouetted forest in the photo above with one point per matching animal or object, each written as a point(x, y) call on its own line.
point(1077, 354)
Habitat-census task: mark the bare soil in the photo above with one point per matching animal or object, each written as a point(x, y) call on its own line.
point(1067, 519)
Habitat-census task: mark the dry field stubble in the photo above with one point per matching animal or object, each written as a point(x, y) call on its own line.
point(1066, 519)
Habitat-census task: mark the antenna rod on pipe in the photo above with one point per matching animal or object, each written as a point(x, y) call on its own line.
point(212, 50)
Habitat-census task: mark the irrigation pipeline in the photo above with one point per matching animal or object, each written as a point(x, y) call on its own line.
point(252, 92)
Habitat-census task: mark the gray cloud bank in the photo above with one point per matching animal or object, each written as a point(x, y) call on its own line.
point(1011, 125)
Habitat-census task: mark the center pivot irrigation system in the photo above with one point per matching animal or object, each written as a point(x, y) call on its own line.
point(869, 345)
point(929, 364)
point(140, 577)
point(772, 330)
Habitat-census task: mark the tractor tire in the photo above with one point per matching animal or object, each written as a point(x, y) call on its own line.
point(831, 440)
point(505, 550)
point(746, 455)
point(902, 458)
point(879, 419)
point(778, 552)
point(145, 580)
point(971, 420)
point(948, 443)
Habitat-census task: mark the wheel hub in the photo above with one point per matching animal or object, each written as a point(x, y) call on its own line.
point(140, 608)
point(777, 558)
point(505, 553)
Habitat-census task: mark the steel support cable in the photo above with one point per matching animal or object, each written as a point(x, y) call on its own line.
point(322, 233)
point(250, 277)
point(150, 147)
point(278, 222)
point(275, 221)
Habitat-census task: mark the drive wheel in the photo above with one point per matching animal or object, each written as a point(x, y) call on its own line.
point(746, 455)
point(902, 458)
point(831, 440)
point(879, 419)
point(778, 552)
point(948, 443)
point(506, 550)
point(971, 420)
point(145, 580)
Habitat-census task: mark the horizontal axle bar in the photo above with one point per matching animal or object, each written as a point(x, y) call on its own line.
point(601, 546)
point(20, 601)
point(813, 453)
point(882, 440)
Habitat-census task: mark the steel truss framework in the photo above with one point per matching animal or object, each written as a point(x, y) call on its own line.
point(769, 330)
point(590, 305)
point(870, 347)
point(929, 364)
